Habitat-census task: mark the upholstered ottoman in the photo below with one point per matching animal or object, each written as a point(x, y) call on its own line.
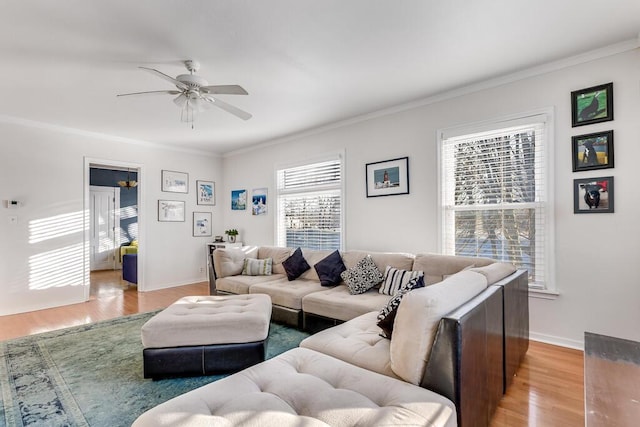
point(203, 335)
point(303, 387)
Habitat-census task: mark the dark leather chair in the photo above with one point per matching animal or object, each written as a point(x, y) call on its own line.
point(130, 268)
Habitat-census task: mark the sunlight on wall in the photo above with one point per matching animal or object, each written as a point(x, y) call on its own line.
point(55, 226)
point(128, 212)
point(57, 268)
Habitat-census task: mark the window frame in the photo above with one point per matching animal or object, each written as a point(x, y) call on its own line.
point(546, 289)
point(308, 162)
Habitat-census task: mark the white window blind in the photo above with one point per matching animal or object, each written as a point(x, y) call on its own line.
point(495, 196)
point(309, 212)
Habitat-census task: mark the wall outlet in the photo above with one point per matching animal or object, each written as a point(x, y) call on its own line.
point(201, 269)
point(13, 220)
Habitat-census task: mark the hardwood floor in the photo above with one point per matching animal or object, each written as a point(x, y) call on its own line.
point(547, 392)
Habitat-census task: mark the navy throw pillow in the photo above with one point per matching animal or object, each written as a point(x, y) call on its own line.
point(330, 269)
point(295, 265)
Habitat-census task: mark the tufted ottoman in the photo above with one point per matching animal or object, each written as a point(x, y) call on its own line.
point(203, 335)
point(304, 388)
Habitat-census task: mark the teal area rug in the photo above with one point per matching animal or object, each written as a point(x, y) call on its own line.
point(91, 375)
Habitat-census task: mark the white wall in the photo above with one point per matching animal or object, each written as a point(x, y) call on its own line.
point(597, 256)
point(41, 257)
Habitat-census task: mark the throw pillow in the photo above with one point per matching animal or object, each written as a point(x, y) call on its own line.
point(362, 277)
point(394, 278)
point(257, 267)
point(295, 265)
point(330, 268)
point(387, 315)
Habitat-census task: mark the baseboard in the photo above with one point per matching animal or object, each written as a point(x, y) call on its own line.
point(562, 342)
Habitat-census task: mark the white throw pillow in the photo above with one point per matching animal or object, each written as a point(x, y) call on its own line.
point(395, 278)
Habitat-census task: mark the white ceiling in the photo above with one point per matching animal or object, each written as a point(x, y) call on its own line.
point(304, 63)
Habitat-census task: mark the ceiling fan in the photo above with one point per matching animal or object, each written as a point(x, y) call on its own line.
point(195, 93)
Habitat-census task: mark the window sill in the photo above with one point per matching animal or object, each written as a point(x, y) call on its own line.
point(543, 294)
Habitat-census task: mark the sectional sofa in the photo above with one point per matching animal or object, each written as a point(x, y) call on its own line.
point(455, 347)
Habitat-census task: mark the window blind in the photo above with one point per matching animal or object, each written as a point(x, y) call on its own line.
point(494, 196)
point(309, 211)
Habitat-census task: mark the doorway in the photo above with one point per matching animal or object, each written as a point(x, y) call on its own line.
point(114, 218)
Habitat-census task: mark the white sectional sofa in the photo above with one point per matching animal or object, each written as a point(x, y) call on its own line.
point(455, 345)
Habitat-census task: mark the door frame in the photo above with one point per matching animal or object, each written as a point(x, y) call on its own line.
point(90, 162)
point(115, 191)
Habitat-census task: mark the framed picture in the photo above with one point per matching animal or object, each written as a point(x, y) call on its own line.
point(206, 192)
point(175, 182)
point(238, 200)
point(202, 224)
point(170, 211)
point(592, 151)
point(592, 105)
point(259, 201)
point(388, 178)
point(593, 195)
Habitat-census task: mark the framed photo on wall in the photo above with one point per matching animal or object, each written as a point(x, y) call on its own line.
point(175, 182)
point(592, 151)
point(206, 192)
point(592, 105)
point(593, 195)
point(171, 211)
point(388, 177)
point(202, 224)
point(238, 200)
point(259, 201)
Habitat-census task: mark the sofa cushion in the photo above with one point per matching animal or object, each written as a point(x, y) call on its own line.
point(387, 315)
point(241, 284)
point(357, 341)
point(313, 256)
point(496, 271)
point(286, 293)
point(330, 268)
point(364, 276)
point(230, 261)
point(395, 279)
point(381, 259)
point(295, 265)
point(304, 388)
point(338, 303)
point(417, 321)
point(277, 254)
point(257, 267)
point(436, 266)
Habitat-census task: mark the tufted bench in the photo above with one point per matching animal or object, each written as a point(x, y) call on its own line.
point(203, 335)
point(303, 387)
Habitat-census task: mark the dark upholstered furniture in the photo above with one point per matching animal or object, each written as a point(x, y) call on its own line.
point(130, 268)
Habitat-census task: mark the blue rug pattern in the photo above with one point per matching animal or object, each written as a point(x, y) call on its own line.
point(91, 375)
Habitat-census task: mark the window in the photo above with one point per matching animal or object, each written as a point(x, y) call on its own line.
point(495, 194)
point(309, 211)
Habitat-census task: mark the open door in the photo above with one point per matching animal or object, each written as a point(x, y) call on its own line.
point(104, 210)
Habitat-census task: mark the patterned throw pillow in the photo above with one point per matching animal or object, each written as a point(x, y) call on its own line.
point(364, 276)
point(257, 267)
point(387, 315)
point(330, 268)
point(394, 278)
point(295, 265)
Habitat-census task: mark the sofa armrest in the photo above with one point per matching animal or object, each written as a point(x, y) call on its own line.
point(466, 361)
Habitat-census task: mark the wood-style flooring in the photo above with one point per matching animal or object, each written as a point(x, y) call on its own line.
point(547, 392)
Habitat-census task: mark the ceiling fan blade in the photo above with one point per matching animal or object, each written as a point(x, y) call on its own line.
point(224, 90)
point(165, 77)
point(152, 92)
point(229, 108)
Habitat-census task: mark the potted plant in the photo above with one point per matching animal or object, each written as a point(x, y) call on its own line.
point(232, 233)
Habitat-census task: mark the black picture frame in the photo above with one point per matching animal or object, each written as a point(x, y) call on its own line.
point(593, 195)
point(387, 177)
point(592, 151)
point(592, 105)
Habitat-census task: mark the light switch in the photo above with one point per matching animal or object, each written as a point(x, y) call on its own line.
point(13, 220)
